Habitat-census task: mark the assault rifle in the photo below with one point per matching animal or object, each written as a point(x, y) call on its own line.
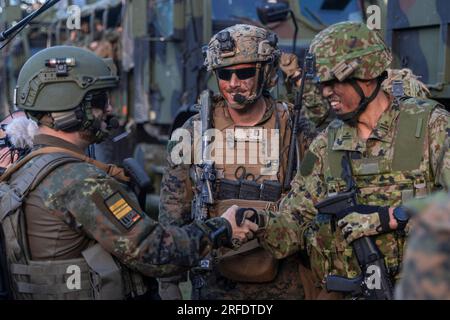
point(307, 73)
point(205, 177)
point(374, 282)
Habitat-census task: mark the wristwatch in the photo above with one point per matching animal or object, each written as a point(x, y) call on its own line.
point(402, 216)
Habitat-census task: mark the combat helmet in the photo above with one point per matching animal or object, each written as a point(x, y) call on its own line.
point(347, 51)
point(64, 81)
point(244, 43)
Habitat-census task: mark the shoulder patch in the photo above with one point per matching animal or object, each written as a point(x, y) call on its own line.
point(122, 210)
point(307, 164)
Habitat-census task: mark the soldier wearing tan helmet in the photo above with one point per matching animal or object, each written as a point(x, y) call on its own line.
point(394, 148)
point(244, 60)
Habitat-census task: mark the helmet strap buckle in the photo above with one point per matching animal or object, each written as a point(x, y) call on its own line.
point(343, 69)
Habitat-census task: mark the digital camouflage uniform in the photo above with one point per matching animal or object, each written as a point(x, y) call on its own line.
point(425, 273)
point(401, 159)
point(178, 188)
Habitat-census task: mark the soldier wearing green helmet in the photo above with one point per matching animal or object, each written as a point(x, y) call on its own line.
point(73, 229)
point(395, 150)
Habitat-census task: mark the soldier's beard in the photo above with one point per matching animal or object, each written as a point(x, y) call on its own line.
point(96, 133)
point(88, 136)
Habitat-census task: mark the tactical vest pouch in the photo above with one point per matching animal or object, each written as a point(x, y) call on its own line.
point(106, 275)
point(95, 277)
point(271, 190)
point(250, 263)
point(249, 190)
point(52, 280)
point(228, 189)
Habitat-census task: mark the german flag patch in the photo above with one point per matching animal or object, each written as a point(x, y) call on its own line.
point(122, 210)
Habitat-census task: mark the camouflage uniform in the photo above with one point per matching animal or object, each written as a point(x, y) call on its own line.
point(76, 213)
point(425, 273)
point(178, 187)
point(427, 258)
point(385, 173)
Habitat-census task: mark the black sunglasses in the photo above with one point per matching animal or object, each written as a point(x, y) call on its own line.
point(242, 74)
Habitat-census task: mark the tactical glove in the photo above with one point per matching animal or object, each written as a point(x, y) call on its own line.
point(250, 214)
point(218, 230)
point(363, 221)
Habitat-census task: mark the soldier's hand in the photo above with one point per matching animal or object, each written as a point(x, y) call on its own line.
point(362, 221)
point(289, 66)
point(244, 231)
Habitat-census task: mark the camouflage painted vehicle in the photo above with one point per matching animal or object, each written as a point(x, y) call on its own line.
point(421, 42)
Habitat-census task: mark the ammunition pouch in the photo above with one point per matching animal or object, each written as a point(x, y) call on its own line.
point(269, 190)
point(249, 190)
point(250, 263)
point(96, 276)
point(228, 189)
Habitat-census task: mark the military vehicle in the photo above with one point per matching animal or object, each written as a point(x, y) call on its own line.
point(419, 35)
point(157, 47)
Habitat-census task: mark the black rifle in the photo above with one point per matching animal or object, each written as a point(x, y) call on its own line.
point(307, 73)
point(205, 177)
point(369, 257)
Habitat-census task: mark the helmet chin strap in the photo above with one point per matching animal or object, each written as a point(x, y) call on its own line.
point(351, 118)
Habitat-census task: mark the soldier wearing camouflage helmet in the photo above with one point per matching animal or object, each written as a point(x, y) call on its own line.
point(395, 148)
point(79, 212)
point(244, 59)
